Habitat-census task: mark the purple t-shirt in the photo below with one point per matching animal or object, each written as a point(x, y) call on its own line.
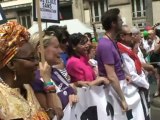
point(107, 53)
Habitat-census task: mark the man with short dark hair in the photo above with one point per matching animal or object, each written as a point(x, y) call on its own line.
point(110, 62)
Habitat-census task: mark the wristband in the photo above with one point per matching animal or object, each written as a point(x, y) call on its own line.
point(49, 83)
point(50, 88)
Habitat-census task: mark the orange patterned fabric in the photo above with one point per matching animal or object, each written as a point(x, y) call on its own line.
point(40, 116)
point(12, 36)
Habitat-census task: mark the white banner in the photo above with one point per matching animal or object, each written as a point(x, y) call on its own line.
point(92, 105)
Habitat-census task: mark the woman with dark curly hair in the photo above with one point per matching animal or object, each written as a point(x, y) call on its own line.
point(77, 66)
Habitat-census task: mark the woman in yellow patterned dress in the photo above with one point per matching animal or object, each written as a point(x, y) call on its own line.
point(17, 65)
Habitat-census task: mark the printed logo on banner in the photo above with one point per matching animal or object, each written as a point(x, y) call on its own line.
point(49, 10)
point(90, 114)
point(2, 16)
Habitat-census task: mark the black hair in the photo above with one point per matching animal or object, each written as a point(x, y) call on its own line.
point(61, 33)
point(108, 17)
point(88, 34)
point(74, 40)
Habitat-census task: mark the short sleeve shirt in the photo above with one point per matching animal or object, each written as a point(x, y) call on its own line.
point(107, 53)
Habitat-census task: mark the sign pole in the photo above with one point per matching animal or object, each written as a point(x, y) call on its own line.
point(46, 25)
point(40, 31)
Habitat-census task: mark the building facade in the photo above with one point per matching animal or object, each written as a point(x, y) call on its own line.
point(21, 10)
point(134, 12)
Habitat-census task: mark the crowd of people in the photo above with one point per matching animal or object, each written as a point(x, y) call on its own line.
point(121, 60)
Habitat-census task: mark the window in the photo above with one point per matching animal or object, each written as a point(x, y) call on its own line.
point(25, 21)
point(24, 18)
point(97, 9)
point(138, 8)
point(139, 13)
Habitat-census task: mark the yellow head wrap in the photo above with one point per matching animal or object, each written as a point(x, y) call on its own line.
point(12, 36)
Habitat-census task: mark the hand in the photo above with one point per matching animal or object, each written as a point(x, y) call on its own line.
point(45, 71)
point(82, 84)
point(74, 87)
point(105, 80)
point(128, 79)
point(73, 99)
point(59, 113)
point(99, 81)
point(124, 106)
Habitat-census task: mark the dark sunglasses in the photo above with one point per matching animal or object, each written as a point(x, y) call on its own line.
point(36, 58)
point(130, 34)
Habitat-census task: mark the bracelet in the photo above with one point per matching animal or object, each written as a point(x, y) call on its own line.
point(49, 83)
point(50, 88)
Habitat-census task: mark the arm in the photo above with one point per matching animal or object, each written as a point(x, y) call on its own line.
point(112, 77)
point(106, 54)
point(129, 68)
point(148, 67)
point(52, 103)
point(157, 49)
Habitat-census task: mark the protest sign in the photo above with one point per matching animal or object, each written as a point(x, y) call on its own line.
point(49, 10)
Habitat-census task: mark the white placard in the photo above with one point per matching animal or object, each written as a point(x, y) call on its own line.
point(49, 10)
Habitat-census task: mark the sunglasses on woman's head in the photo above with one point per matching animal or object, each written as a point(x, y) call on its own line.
point(48, 33)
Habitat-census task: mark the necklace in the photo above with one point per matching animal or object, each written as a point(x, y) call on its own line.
point(11, 92)
point(116, 47)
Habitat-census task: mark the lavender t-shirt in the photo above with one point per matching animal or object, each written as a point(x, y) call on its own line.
point(107, 54)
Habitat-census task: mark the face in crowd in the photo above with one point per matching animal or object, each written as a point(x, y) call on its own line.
point(18, 57)
point(78, 44)
point(111, 20)
point(152, 34)
point(52, 51)
point(52, 48)
point(126, 36)
point(25, 62)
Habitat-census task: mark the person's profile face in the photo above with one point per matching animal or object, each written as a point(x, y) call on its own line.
point(119, 23)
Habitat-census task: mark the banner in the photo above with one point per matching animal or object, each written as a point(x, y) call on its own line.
point(92, 105)
point(2, 16)
point(49, 10)
point(99, 103)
